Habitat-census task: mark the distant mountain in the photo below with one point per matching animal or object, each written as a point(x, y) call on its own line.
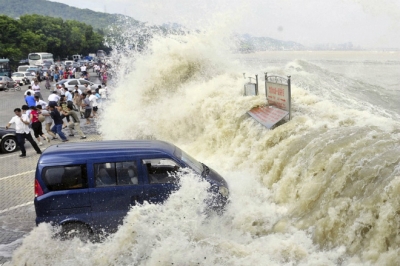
point(101, 21)
point(98, 20)
point(248, 43)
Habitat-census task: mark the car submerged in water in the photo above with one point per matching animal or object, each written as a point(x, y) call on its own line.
point(89, 187)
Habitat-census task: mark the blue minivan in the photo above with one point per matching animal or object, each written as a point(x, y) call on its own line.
point(92, 185)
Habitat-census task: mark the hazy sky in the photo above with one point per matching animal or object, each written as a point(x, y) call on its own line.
point(367, 23)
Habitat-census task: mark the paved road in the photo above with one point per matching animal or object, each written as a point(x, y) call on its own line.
point(17, 214)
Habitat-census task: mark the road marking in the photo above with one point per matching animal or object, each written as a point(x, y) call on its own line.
point(6, 156)
point(10, 176)
point(16, 207)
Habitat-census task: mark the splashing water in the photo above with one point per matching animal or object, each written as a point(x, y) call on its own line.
point(321, 189)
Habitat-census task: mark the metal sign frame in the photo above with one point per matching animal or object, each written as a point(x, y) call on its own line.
point(246, 86)
point(278, 87)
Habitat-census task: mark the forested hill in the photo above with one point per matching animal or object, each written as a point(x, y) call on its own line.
point(101, 21)
point(98, 20)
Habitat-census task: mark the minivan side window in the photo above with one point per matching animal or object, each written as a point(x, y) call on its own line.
point(161, 170)
point(118, 173)
point(65, 177)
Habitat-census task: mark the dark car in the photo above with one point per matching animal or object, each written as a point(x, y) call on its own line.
point(24, 61)
point(8, 140)
point(91, 186)
point(36, 69)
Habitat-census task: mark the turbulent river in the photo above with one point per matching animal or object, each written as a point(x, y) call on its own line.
point(321, 189)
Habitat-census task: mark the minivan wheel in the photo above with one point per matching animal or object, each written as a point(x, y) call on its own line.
point(9, 144)
point(72, 230)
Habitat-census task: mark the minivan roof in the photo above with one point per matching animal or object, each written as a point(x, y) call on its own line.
point(92, 148)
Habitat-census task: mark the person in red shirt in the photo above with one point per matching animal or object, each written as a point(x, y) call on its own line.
point(65, 74)
point(37, 125)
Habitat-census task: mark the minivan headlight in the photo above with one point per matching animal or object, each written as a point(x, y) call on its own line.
point(223, 191)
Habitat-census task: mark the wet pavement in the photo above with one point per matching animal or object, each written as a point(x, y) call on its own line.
point(17, 214)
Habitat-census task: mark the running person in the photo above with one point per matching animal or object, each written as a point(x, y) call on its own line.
point(22, 131)
point(37, 125)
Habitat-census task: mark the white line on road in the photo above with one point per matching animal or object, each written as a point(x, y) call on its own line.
point(10, 176)
point(6, 156)
point(16, 207)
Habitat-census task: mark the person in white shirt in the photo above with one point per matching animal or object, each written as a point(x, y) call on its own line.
point(93, 103)
point(22, 122)
point(53, 98)
point(26, 93)
point(36, 88)
point(76, 89)
point(87, 88)
point(62, 89)
point(83, 70)
point(40, 102)
point(103, 92)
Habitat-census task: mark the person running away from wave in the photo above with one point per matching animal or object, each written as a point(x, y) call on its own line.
point(22, 131)
point(75, 121)
point(58, 123)
point(37, 125)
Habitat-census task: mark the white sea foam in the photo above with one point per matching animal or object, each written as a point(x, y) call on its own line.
point(321, 189)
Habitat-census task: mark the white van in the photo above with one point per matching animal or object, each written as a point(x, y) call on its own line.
point(23, 68)
point(76, 57)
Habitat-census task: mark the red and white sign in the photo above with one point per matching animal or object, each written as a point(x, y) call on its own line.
point(278, 95)
point(267, 115)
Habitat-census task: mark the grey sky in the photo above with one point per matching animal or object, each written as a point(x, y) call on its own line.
point(368, 23)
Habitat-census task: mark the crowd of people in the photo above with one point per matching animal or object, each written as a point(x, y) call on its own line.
point(63, 109)
point(70, 72)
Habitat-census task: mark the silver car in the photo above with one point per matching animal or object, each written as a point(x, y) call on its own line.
point(6, 82)
point(70, 84)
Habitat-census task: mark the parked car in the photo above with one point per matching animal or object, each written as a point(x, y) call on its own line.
point(45, 69)
point(83, 62)
point(19, 76)
point(23, 68)
point(89, 187)
point(6, 82)
point(70, 84)
point(35, 69)
point(8, 140)
point(24, 61)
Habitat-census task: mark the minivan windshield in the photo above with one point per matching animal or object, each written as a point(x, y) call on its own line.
point(193, 163)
